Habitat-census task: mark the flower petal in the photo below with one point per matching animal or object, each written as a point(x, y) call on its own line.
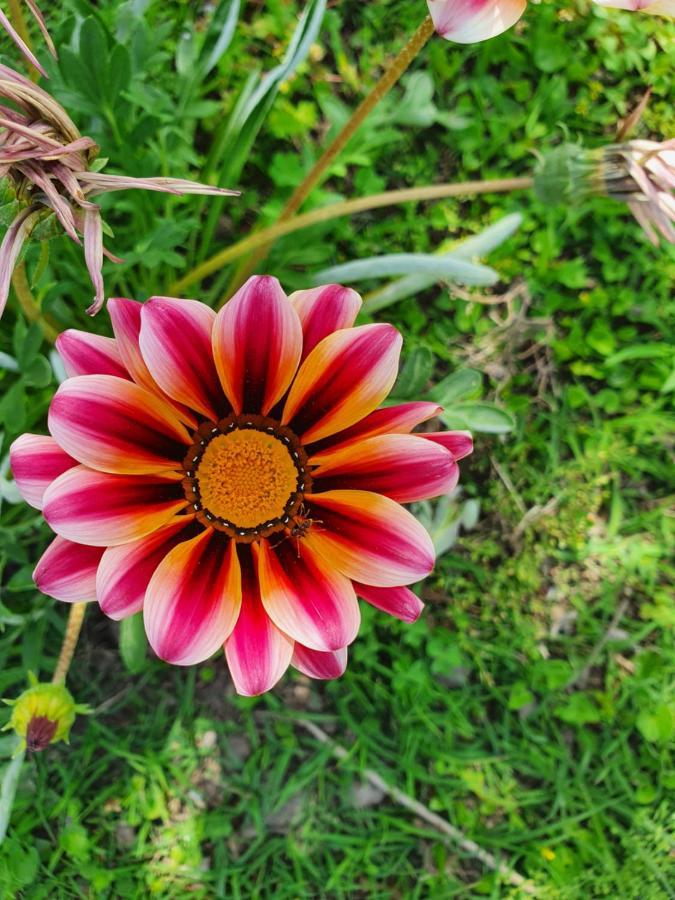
point(117, 426)
point(404, 467)
point(67, 571)
point(36, 460)
point(345, 377)
point(125, 316)
point(323, 310)
point(89, 354)
point(306, 598)
point(257, 341)
point(104, 510)
point(257, 653)
point(370, 538)
point(397, 601)
point(193, 599)
point(319, 665)
point(399, 419)
point(125, 571)
point(459, 443)
point(470, 21)
point(175, 341)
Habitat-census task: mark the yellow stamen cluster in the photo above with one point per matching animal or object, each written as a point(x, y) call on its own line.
point(246, 477)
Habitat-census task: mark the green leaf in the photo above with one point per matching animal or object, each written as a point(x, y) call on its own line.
point(457, 386)
point(8, 785)
point(657, 725)
point(579, 709)
point(415, 374)
point(438, 267)
point(485, 417)
point(133, 644)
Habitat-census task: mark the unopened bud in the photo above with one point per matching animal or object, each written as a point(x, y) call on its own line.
point(43, 715)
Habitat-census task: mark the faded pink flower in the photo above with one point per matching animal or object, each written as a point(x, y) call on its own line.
point(470, 21)
point(48, 165)
point(653, 7)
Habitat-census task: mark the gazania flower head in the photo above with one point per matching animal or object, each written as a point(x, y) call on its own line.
point(48, 164)
point(470, 21)
point(236, 478)
point(638, 173)
point(653, 7)
point(43, 715)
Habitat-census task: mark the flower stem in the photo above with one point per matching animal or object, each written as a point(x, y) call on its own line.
point(345, 208)
point(396, 68)
point(73, 628)
point(19, 22)
point(29, 304)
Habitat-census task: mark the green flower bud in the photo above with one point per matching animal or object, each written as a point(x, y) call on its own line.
point(43, 715)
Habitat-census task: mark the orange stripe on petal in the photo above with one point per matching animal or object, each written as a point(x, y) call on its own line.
point(103, 510)
point(89, 354)
point(257, 652)
point(116, 426)
point(175, 341)
point(193, 599)
point(315, 664)
point(125, 571)
point(36, 460)
point(369, 538)
point(257, 341)
point(306, 598)
point(125, 316)
point(345, 377)
point(404, 467)
point(323, 310)
point(399, 419)
point(67, 571)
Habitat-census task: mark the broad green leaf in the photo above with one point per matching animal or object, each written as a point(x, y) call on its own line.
point(415, 374)
point(437, 267)
point(457, 386)
point(485, 417)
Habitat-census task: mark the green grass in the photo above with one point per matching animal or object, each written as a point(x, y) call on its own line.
point(518, 708)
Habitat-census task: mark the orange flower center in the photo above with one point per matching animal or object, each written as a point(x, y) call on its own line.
point(245, 476)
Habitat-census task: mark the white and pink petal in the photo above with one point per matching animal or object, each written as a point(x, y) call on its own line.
point(345, 377)
point(369, 538)
point(117, 426)
point(125, 571)
point(257, 342)
point(400, 602)
point(37, 460)
point(67, 571)
point(103, 510)
point(89, 354)
point(175, 340)
point(193, 599)
point(404, 467)
point(306, 597)
point(323, 310)
point(316, 664)
point(257, 652)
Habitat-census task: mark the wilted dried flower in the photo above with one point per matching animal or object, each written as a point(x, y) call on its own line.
point(19, 41)
point(48, 164)
point(638, 173)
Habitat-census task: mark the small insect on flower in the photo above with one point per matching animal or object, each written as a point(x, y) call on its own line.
point(43, 715)
point(236, 478)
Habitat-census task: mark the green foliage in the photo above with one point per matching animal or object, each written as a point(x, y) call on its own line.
point(486, 710)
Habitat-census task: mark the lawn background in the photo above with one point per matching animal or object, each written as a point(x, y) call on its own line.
point(520, 707)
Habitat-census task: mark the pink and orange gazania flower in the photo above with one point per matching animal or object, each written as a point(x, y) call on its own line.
point(471, 21)
point(235, 477)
